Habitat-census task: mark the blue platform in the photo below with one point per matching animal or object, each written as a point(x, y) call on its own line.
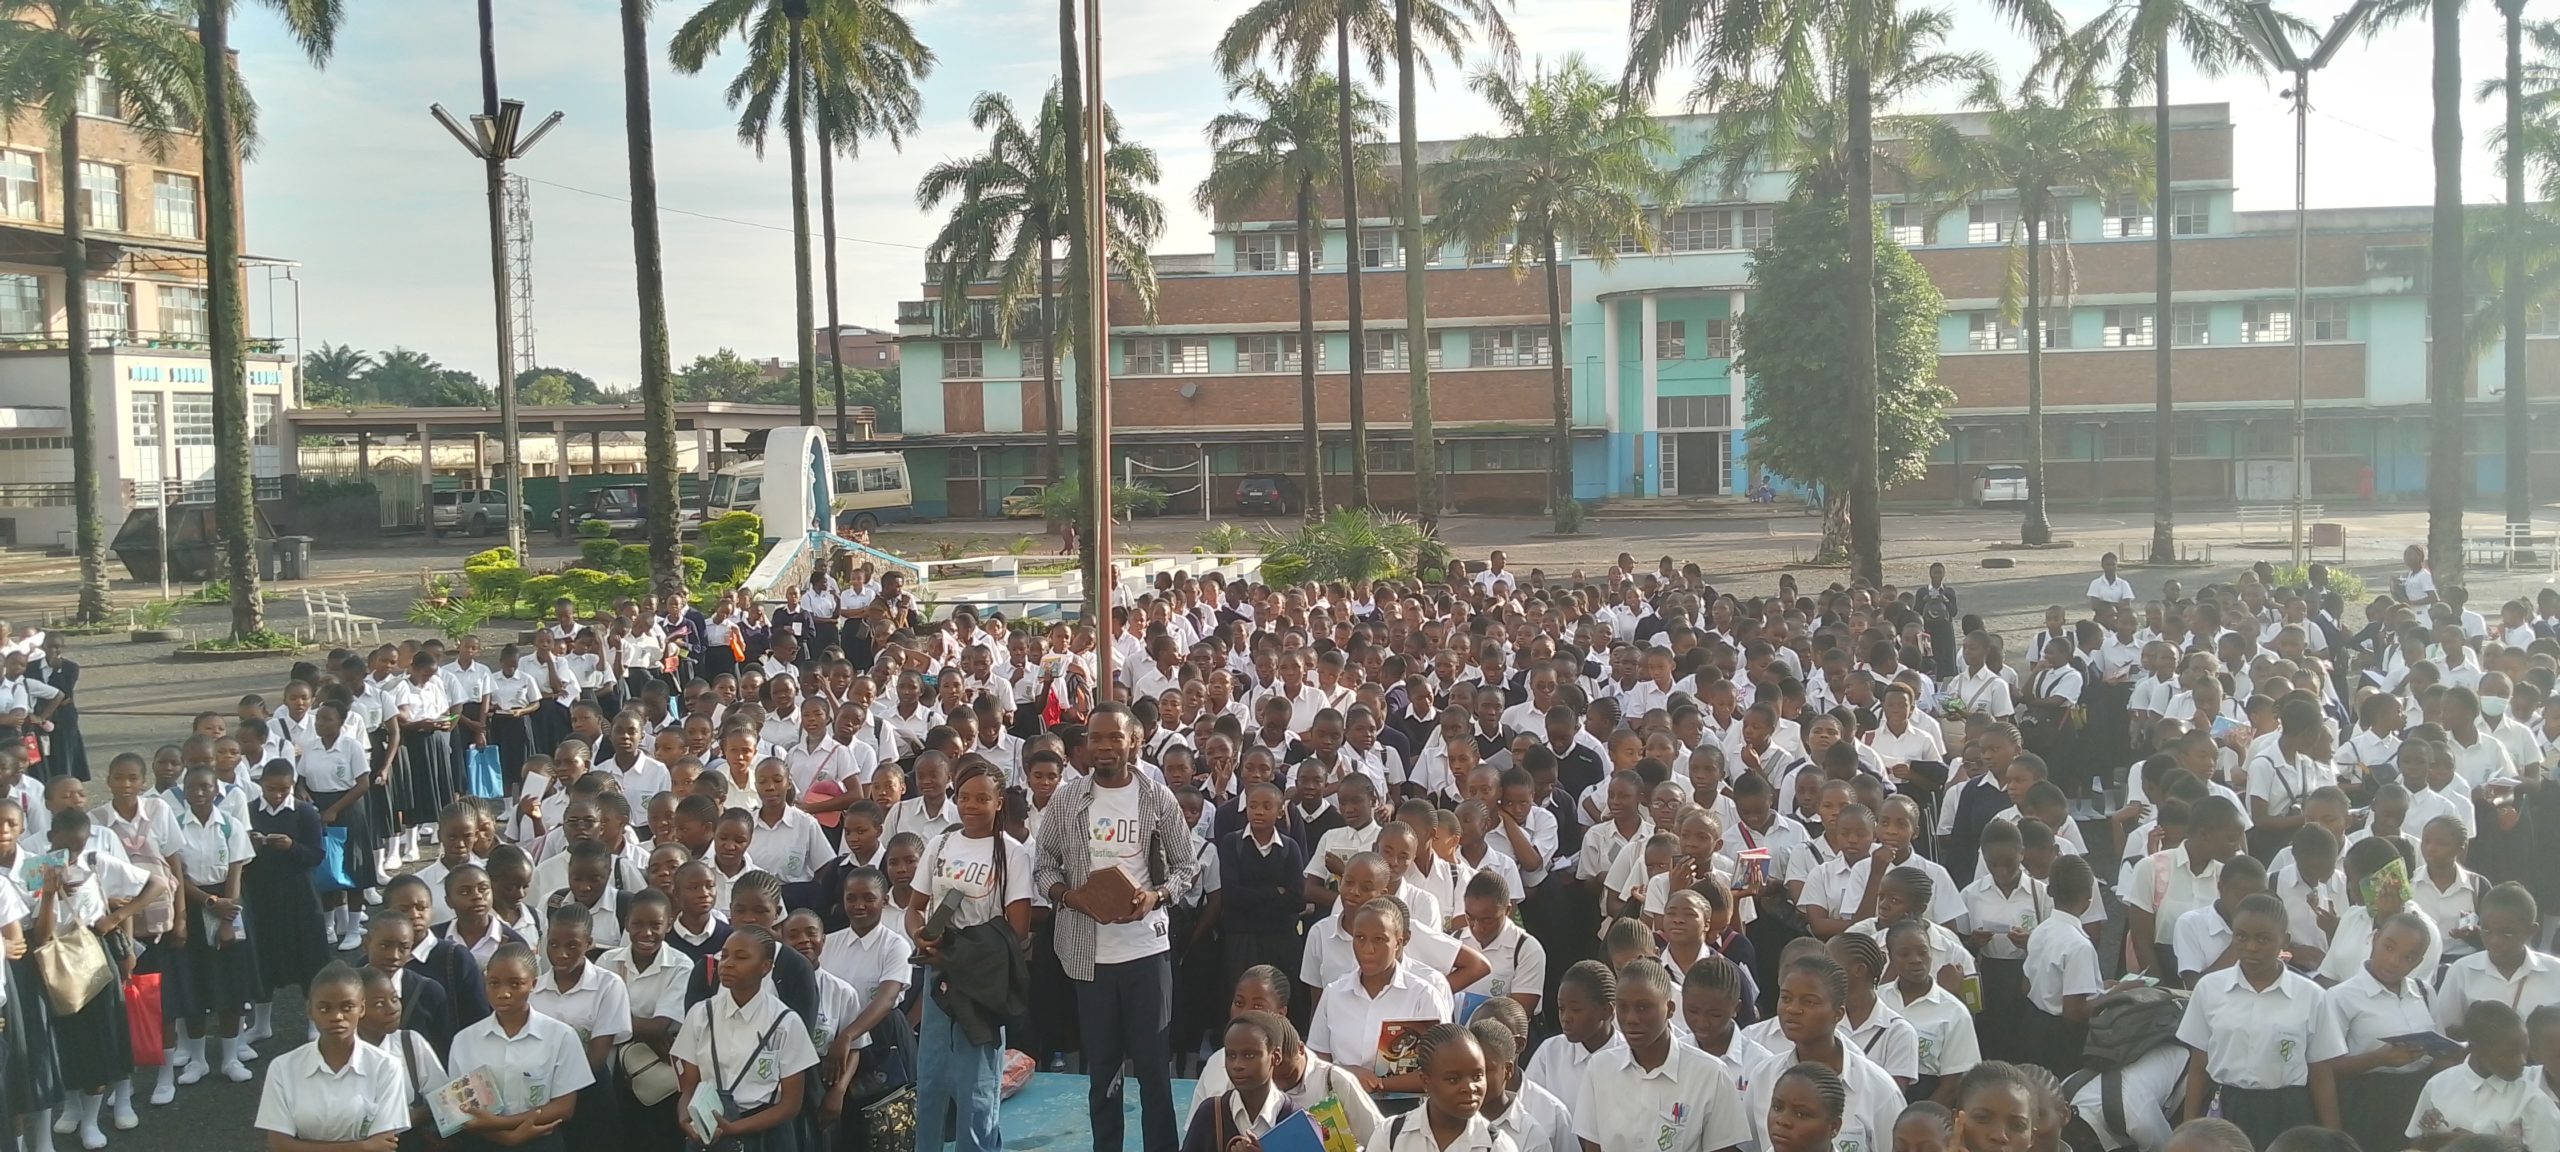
point(1049, 1112)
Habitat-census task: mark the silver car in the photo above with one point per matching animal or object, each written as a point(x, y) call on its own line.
point(477, 512)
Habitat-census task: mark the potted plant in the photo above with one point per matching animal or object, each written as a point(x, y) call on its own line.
point(156, 622)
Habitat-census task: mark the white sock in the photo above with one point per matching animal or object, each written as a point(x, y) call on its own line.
point(122, 1093)
point(196, 1049)
point(263, 1020)
point(90, 1102)
point(225, 1050)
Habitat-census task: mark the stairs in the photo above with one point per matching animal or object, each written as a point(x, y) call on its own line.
point(1620, 508)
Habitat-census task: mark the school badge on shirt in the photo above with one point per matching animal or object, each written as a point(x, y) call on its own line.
point(1672, 1120)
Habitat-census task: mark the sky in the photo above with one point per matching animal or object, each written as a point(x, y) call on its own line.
point(386, 215)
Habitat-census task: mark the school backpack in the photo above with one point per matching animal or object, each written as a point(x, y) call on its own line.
point(2124, 1026)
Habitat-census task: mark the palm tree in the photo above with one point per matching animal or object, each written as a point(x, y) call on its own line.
point(2134, 43)
point(1741, 39)
point(1285, 142)
point(1009, 211)
point(2046, 148)
point(657, 375)
point(49, 51)
point(856, 99)
point(1796, 119)
point(313, 24)
point(333, 374)
point(1573, 165)
point(2518, 412)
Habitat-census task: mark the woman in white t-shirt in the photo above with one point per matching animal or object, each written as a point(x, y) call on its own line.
point(979, 874)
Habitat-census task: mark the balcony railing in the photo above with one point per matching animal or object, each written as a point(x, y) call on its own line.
point(140, 339)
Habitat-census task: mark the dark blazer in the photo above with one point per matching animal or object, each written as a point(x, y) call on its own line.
point(453, 966)
point(427, 1009)
point(1976, 803)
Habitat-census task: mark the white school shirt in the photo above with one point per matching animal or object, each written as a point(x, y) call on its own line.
point(791, 848)
point(1942, 1026)
point(1866, 1124)
point(1602, 845)
point(655, 992)
point(334, 766)
point(2116, 591)
point(1945, 947)
point(2366, 1014)
point(1886, 1038)
point(1346, 842)
point(867, 963)
point(738, 1034)
point(2259, 1038)
point(507, 693)
point(2425, 804)
point(597, 1004)
point(2450, 907)
point(2536, 983)
point(210, 847)
point(1345, 1027)
point(2150, 1086)
point(1559, 1065)
point(109, 879)
point(305, 1099)
point(1687, 1104)
point(1518, 960)
point(1412, 1133)
point(828, 759)
point(2166, 885)
point(2302, 923)
point(1537, 1122)
point(2460, 1099)
point(1988, 909)
point(909, 815)
point(1981, 690)
point(2060, 962)
point(545, 1050)
point(2353, 944)
point(2200, 938)
point(1541, 827)
point(838, 1004)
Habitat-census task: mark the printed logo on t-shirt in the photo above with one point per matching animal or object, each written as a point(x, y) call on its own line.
point(971, 878)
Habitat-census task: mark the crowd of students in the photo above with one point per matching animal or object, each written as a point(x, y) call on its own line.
point(1491, 861)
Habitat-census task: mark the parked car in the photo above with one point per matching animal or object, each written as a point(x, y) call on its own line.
point(478, 512)
point(1023, 503)
point(1267, 492)
point(2000, 484)
point(624, 508)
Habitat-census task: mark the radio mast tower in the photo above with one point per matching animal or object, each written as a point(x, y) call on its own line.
point(520, 268)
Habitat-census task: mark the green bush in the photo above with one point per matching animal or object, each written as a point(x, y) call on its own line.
point(539, 592)
point(1353, 544)
point(498, 557)
point(740, 530)
point(633, 561)
point(2348, 585)
point(594, 530)
point(694, 568)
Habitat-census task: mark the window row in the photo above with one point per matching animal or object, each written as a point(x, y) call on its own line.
point(2190, 325)
point(1289, 457)
point(112, 311)
point(189, 418)
point(171, 210)
point(1382, 349)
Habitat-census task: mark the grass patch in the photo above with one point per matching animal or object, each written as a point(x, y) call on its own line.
point(261, 641)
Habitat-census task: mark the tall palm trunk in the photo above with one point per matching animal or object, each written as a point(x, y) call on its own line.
point(88, 533)
point(1089, 344)
point(2447, 358)
point(2519, 444)
point(827, 225)
point(2036, 530)
point(234, 488)
point(2164, 440)
point(1866, 525)
point(1417, 304)
point(1560, 453)
point(795, 104)
point(1308, 349)
point(1049, 348)
point(657, 382)
point(1359, 387)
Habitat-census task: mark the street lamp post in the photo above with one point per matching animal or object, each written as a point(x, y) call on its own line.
point(495, 138)
point(2268, 33)
point(1097, 263)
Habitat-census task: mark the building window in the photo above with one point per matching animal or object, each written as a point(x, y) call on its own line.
point(97, 97)
point(1508, 348)
point(182, 311)
point(1989, 332)
point(964, 360)
point(1909, 224)
point(1510, 455)
point(2329, 320)
point(2057, 327)
point(2539, 322)
point(1035, 355)
point(1391, 456)
point(110, 309)
point(262, 421)
point(1680, 412)
point(102, 192)
point(2127, 217)
point(191, 420)
point(2128, 440)
point(1265, 252)
point(1719, 340)
point(2191, 324)
point(21, 305)
point(1992, 222)
point(1671, 340)
point(2266, 323)
point(2190, 215)
point(1751, 226)
point(2127, 326)
point(1384, 351)
point(173, 205)
point(1272, 353)
point(146, 420)
point(1167, 355)
point(20, 190)
point(1696, 230)
point(1378, 248)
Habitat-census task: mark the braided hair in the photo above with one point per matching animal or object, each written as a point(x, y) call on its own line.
point(1859, 950)
point(1827, 1085)
point(1593, 978)
point(1441, 1036)
point(1507, 1012)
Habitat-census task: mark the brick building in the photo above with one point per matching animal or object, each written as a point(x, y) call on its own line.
point(855, 346)
point(1656, 399)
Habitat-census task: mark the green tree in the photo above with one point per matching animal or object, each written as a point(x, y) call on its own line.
point(49, 50)
point(877, 390)
point(1730, 39)
point(657, 377)
point(313, 24)
point(2133, 43)
point(721, 376)
point(1796, 338)
point(2037, 145)
point(1009, 210)
point(1573, 166)
point(1284, 142)
point(549, 390)
point(577, 387)
point(333, 376)
point(856, 100)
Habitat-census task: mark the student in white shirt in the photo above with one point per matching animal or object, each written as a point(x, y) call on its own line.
point(1451, 1117)
point(514, 1037)
point(1813, 990)
point(868, 954)
point(2369, 1089)
point(1650, 1090)
point(653, 975)
point(785, 840)
point(2256, 1029)
point(746, 1044)
point(1942, 1025)
point(2488, 1093)
point(2506, 969)
point(1378, 988)
point(335, 1090)
point(983, 874)
point(1251, 1104)
point(1517, 959)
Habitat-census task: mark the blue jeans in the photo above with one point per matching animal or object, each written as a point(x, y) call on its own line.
point(952, 1073)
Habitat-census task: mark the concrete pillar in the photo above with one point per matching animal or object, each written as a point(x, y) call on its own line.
point(702, 441)
point(364, 459)
point(1648, 457)
point(560, 466)
point(1609, 363)
point(479, 459)
point(1734, 464)
point(426, 478)
point(595, 452)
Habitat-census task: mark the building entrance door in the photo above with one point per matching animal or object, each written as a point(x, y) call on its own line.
point(1702, 471)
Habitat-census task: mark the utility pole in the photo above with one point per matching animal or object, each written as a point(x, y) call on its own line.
point(1098, 344)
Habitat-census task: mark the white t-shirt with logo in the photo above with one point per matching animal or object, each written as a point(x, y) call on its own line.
point(953, 862)
point(1116, 836)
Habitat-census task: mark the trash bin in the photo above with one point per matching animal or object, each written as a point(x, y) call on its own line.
point(267, 559)
point(293, 560)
